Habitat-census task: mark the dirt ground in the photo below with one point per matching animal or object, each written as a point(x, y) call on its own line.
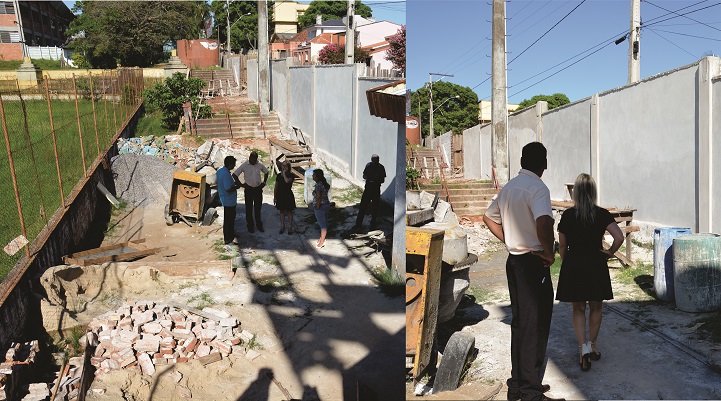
point(323, 329)
point(650, 350)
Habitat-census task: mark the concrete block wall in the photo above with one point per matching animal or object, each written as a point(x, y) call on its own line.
point(649, 146)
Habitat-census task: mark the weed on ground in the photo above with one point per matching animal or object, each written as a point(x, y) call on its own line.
point(203, 300)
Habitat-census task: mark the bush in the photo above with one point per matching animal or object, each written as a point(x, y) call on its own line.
point(412, 176)
point(168, 97)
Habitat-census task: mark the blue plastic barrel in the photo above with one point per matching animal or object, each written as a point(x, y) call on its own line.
point(663, 260)
point(697, 272)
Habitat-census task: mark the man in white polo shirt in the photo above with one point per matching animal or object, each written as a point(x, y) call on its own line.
point(253, 184)
point(521, 217)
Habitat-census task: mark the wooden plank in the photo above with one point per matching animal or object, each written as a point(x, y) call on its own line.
point(625, 261)
point(121, 257)
point(630, 229)
point(194, 311)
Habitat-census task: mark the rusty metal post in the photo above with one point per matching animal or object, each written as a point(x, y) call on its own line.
point(80, 130)
point(105, 102)
point(12, 173)
point(55, 142)
point(95, 116)
point(26, 131)
point(113, 92)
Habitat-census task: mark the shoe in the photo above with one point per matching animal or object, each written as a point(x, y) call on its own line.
point(281, 230)
point(234, 242)
point(544, 398)
point(594, 355)
point(290, 231)
point(585, 358)
point(251, 230)
point(514, 397)
point(261, 229)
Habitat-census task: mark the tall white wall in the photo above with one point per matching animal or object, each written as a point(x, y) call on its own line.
point(651, 146)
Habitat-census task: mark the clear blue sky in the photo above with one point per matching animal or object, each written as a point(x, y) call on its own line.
point(453, 37)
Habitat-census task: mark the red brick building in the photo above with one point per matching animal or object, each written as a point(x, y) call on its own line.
point(33, 23)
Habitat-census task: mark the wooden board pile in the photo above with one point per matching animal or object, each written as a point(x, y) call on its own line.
point(15, 373)
point(68, 387)
point(144, 334)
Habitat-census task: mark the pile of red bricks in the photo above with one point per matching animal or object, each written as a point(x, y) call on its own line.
point(15, 372)
point(145, 334)
point(69, 380)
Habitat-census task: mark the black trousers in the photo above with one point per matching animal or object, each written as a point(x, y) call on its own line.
point(228, 223)
point(371, 196)
point(253, 201)
point(529, 284)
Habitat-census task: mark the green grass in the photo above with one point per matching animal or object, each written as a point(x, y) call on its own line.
point(271, 284)
point(37, 180)
point(152, 124)
point(262, 155)
point(42, 64)
point(254, 344)
point(267, 258)
point(202, 300)
point(389, 281)
point(349, 196)
point(481, 294)
point(69, 343)
point(219, 247)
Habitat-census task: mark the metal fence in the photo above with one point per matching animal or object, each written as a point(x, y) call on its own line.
point(52, 133)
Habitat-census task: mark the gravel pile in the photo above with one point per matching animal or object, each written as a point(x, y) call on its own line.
point(142, 179)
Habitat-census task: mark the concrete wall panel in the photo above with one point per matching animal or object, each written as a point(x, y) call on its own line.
point(376, 135)
point(333, 116)
point(522, 128)
point(566, 135)
point(279, 90)
point(301, 98)
point(253, 79)
point(716, 163)
point(647, 148)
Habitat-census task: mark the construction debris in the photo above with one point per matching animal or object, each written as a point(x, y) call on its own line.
point(15, 373)
point(145, 334)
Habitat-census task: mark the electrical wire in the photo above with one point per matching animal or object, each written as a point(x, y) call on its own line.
point(689, 18)
point(562, 69)
point(549, 30)
point(684, 34)
point(682, 8)
point(669, 41)
point(681, 15)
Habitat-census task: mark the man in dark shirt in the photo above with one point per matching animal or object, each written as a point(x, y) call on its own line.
point(374, 174)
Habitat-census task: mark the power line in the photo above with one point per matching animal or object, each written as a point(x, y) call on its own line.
point(681, 15)
point(674, 12)
point(562, 69)
point(667, 40)
point(549, 30)
point(684, 34)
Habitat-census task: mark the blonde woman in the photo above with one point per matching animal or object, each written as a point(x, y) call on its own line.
point(584, 277)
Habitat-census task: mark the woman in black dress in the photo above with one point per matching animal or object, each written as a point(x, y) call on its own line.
point(584, 273)
point(283, 197)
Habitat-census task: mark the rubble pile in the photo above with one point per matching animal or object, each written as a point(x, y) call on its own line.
point(170, 152)
point(14, 372)
point(69, 380)
point(145, 334)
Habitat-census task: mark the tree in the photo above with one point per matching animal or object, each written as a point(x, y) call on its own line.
point(169, 96)
point(132, 33)
point(555, 100)
point(335, 54)
point(450, 114)
point(244, 28)
point(331, 10)
point(397, 52)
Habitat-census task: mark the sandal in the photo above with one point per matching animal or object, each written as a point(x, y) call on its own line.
point(281, 230)
point(595, 355)
point(585, 357)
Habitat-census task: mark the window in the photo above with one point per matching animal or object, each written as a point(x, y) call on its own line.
point(9, 36)
point(7, 7)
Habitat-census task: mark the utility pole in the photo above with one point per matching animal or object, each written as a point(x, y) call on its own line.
point(634, 43)
point(430, 100)
point(227, 26)
point(263, 58)
point(350, 34)
point(499, 101)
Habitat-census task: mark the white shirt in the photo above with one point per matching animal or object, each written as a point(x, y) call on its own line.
point(522, 200)
point(251, 173)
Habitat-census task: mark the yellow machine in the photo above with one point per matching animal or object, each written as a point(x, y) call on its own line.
point(187, 197)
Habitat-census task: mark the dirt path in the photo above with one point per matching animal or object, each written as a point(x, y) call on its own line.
point(650, 350)
point(323, 329)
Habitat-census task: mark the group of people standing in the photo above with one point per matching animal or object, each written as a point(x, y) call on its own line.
point(521, 216)
point(255, 177)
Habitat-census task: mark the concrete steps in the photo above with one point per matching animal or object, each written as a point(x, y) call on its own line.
point(241, 124)
point(469, 198)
